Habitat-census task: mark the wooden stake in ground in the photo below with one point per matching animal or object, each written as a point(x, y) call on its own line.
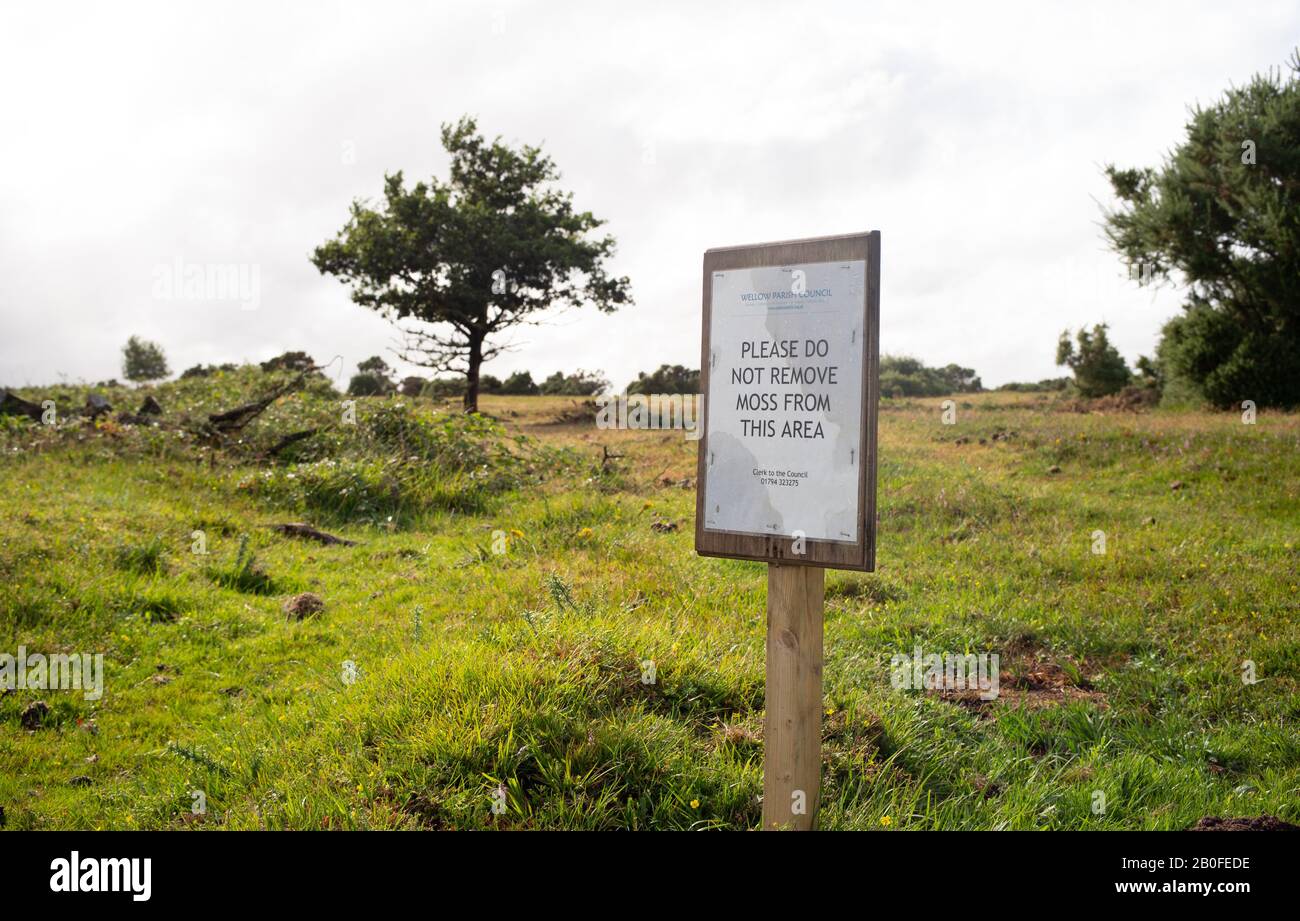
point(792, 729)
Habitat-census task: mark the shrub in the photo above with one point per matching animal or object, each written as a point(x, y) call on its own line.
point(367, 384)
point(1099, 369)
point(400, 464)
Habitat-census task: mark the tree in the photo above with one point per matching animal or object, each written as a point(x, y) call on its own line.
point(666, 379)
point(959, 379)
point(373, 378)
point(376, 366)
point(452, 264)
point(366, 384)
point(1149, 373)
point(520, 384)
point(1223, 214)
point(1098, 367)
point(143, 361)
point(578, 384)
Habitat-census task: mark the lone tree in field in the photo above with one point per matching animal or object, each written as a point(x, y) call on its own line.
point(373, 378)
point(143, 361)
point(1224, 213)
point(453, 264)
point(377, 366)
point(1099, 369)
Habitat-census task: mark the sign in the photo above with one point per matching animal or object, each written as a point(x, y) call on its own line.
point(789, 372)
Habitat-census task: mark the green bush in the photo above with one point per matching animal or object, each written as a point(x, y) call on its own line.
point(1209, 353)
point(1099, 369)
point(398, 464)
point(367, 384)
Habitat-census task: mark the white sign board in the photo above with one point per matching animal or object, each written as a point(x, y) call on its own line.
point(784, 401)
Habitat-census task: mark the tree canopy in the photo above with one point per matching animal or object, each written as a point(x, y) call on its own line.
point(373, 378)
point(454, 263)
point(1222, 217)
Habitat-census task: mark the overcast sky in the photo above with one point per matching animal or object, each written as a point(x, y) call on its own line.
point(972, 136)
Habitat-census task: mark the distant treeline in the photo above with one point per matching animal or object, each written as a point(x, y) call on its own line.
point(1047, 385)
point(375, 377)
point(900, 376)
point(903, 376)
point(666, 379)
point(578, 384)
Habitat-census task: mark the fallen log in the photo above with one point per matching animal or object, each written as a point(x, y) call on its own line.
point(290, 439)
point(13, 405)
point(235, 419)
point(307, 532)
point(232, 420)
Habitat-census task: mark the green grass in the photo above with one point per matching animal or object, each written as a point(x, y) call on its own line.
point(443, 677)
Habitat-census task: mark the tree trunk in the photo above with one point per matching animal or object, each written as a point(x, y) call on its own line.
point(471, 374)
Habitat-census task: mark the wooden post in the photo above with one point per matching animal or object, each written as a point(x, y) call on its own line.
point(792, 729)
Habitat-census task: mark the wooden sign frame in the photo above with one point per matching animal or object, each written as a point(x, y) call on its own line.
point(778, 548)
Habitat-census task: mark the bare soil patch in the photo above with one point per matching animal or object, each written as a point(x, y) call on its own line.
point(1032, 678)
point(1257, 823)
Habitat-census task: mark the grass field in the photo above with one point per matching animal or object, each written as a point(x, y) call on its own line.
point(443, 677)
